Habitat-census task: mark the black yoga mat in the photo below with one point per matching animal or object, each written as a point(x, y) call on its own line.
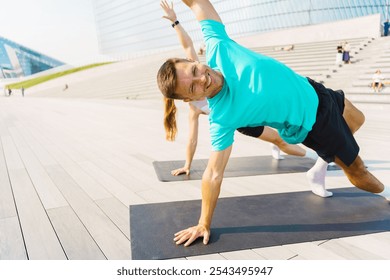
point(257, 221)
point(236, 167)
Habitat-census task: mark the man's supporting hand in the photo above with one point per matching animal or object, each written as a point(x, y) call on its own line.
point(190, 234)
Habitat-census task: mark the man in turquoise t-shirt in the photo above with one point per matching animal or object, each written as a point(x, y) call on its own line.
point(247, 89)
point(286, 100)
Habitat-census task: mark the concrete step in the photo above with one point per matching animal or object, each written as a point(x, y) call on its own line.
point(365, 83)
point(367, 90)
point(330, 44)
point(368, 77)
point(374, 98)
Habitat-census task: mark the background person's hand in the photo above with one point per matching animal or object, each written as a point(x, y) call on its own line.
point(168, 9)
point(182, 170)
point(190, 234)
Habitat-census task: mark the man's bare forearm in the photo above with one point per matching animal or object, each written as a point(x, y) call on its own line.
point(211, 184)
point(210, 193)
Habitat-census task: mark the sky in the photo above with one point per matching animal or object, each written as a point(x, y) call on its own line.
point(62, 29)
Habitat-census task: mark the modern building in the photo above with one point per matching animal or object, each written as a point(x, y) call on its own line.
point(18, 61)
point(125, 26)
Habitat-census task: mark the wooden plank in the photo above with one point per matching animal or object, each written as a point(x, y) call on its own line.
point(41, 153)
point(11, 154)
point(385, 236)
point(144, 173)
point(91, 186)
point(162, 192)
point(40, 238)
point(7, 204)
point(59, 155)
point(64, 143)
point(151, 196)
point(275, 253)
point(311, 251)
point(3, 127)
point(49, 194)
point(298, 258)
point(43, 136)
point(126, 196)
point(180, 191)
point(371, 243)
point(106, 234)
point(41, 241)
point(123, 176)
point(74, 237)
point(207, 257)
point(117, 212)
point(11, 240)
point(86, 182)
point(242, 255)
point(349, 251)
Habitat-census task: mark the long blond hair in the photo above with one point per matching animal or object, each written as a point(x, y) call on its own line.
point(166, 81)
point(170, 119)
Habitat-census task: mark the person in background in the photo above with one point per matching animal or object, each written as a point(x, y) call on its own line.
point(202, 48)
point(377, 81)
point(386, 26)
point(346, 51)
point(339, 54)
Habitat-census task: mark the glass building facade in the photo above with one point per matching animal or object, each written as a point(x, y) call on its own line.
point(18, 61)
point(126, 26)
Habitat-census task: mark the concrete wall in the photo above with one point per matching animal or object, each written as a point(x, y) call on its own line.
point(368, 26)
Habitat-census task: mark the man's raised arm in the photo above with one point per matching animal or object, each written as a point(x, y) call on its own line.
point(203, 9)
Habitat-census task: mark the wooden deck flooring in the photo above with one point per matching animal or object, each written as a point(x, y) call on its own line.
point(70, 168)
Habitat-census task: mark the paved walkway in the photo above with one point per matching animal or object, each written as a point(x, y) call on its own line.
point(70, 168)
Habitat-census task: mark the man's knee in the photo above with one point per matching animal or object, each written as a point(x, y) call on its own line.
point(360, 119)
point(353, 116)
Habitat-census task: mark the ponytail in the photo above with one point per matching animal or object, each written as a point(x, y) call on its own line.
point(166, 81)
point(170, 119)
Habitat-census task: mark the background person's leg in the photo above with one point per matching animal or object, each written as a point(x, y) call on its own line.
point(380, 87)
point(273, 137)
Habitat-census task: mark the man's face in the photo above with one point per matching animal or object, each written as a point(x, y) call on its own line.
point(195, 81)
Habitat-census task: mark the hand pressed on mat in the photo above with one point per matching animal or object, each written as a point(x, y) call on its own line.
point(191, 234)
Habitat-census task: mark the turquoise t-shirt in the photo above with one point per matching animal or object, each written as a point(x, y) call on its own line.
point(257, 91)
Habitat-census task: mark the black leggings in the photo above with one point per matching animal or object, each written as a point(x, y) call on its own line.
point(255, 131)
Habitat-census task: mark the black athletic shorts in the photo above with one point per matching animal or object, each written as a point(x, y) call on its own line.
point(255, 131)
point(330, 135)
